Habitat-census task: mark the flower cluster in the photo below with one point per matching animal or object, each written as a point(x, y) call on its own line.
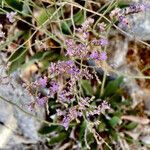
point(76, 50)
point(84, 30)
point(120, 14)
point(78, 111)
point(99, 56)
point(100, 42)
point(101, 26)
point(63, 82)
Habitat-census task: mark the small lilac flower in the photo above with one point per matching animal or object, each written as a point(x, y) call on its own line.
point(66, 122)
point(41, 101)
point(100, 42)
point(70, 63)
point(87, 24)
point(124, 21)
point(94, 55)
point(85, 35)
point(60, 113)
point(42, 82)
point(64, 95)
point(54, 87)
point(103, 42)
point(144, 7)
point(69, 42)
point(10, 16)
point(103, 56)
point(104, 106)
point(101, 26)
point(115, 12)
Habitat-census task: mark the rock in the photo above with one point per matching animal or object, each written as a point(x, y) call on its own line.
point(25, 146)
point(16, 127)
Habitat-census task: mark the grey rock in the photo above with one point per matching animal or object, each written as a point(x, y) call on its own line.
point(16, 127)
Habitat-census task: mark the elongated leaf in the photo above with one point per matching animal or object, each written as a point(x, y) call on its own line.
point(65, 27)
point(49, 129)
point(15, 4)
point(45, 14)
point(62, 136)
point(79, 17)
point(82, 130)
point(112, 87)
point(114, 121)
point(17, 54)
point(87, 87)
point(131, 125)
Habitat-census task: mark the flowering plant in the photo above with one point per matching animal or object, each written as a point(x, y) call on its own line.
point(84, 104)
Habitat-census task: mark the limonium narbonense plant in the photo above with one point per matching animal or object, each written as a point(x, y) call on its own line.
point(64, 79)
point(63, 82)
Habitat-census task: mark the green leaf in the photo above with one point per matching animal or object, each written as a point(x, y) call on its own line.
point(65, 27)
point(82, 130)
point(18, 53)
point(114, 134)
point(131, 125)
point(112, 87)
point(79, 17)
point(114, 121)
point(62, 136)
point(16, 4)
point(26, 8)
point(45, 14)
point(87, 87)
point(48, 129)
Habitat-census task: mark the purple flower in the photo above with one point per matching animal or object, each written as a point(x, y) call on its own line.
point(103, 42)
point(85, 35)
point(66, 122)
point(101, 26)
point(104, 106)
point(54, 87)
point(100, 42)
point(124, 21)
point(69, 42)
point(103, 56)
point(94, 55)
point(41, 101)
point(42, 82)
point(60, 113)
point(87, 24)
point(115, 12)
point(10, 16)
point(64, 95)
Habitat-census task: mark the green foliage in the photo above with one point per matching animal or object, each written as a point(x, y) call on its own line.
point(16, 4)
point(46, 14)
point(87, 87)
point(56, 139)
point(79, 17)
point(114, 121)
point(48, 129)
point(112, 87)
